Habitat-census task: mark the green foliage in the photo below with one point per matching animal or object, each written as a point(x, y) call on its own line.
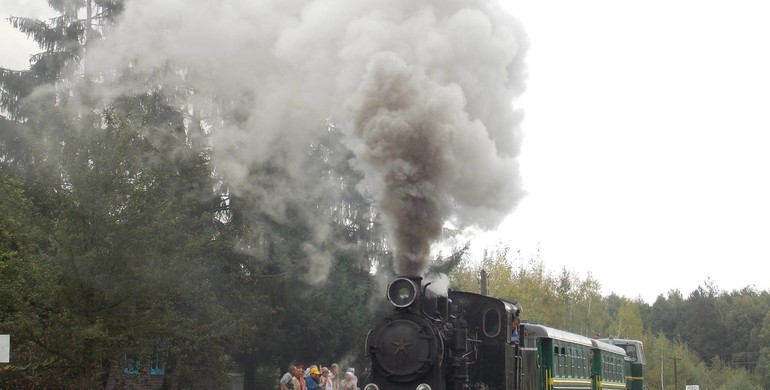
point(763, 367)
point(14, 86)
point(122, 220)
point(627, 322)
point(563, 301)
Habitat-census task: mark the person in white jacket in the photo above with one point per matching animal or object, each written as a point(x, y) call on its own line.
point(350, 382)
point(326, 379)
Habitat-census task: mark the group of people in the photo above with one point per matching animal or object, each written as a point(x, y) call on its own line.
point(317, 377)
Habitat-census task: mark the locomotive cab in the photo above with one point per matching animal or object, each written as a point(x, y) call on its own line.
point(496, 363)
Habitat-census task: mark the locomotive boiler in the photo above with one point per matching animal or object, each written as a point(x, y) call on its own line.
point(463, 341)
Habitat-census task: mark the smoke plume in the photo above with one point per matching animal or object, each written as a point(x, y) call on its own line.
point(423, 90)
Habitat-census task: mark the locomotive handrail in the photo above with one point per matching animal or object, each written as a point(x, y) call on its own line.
point(422, 305)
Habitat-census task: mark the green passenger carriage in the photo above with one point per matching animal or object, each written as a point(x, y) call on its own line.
point(555, 359)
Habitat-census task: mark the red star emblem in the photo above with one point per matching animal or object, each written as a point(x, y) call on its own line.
point(401, 346)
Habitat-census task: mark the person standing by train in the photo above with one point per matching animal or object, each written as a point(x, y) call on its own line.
point(299, 380)
point(350, 382)
point(515, 330)
point(313, 382)
point(335, 376)
point(326, 380)
point(286, 380)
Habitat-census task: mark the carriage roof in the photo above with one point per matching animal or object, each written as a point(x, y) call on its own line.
point(542, 331)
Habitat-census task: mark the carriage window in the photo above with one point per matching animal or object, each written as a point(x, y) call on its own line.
point(578, 363)
point(631, 352)
point(612, 368)
point(491, 323)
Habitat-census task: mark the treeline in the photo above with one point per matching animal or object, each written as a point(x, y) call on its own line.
point(717, 339)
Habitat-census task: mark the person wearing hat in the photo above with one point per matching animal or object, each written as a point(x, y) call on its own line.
point(326, 379)
point(313, 382)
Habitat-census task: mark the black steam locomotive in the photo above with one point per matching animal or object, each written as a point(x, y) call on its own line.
point(466, 341)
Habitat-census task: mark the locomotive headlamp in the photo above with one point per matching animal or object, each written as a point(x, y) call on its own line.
point(402, 292)
point(422, 386)
point(371, 386)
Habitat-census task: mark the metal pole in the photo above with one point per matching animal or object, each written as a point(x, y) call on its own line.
point(676, 380)
point(483, 282)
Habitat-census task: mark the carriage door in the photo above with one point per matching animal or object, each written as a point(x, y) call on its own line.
point(528, 362)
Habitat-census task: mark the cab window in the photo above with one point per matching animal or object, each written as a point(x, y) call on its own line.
point(491, 323)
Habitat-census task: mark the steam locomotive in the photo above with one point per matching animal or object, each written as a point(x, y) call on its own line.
point(463, 341)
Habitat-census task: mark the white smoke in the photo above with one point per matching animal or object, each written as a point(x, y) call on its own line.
point(439, 284)
point(422, 89)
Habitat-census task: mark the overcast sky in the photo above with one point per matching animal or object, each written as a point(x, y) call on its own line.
point(646, 140)
point(646, 143)
point(15, 48)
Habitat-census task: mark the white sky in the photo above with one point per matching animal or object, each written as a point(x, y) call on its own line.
point(646, 143)
point(15, 48)
point(646, 140)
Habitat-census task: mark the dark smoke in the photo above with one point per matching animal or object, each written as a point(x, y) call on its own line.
point(437, 134)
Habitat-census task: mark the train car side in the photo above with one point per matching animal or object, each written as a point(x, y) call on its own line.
point(608, 368)
point(635, 361)
point(496, 361)
point(555, 359)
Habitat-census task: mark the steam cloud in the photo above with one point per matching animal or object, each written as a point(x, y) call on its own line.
point(422, 89)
